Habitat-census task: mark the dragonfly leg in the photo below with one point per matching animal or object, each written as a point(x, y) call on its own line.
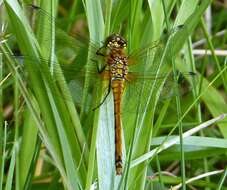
point(102, 69)
point(99, 52)
point(104, 99)
point(97, 65)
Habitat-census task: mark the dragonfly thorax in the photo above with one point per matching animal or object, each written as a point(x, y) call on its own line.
point(119, 68)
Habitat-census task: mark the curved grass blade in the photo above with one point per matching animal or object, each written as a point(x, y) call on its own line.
point(29, 47)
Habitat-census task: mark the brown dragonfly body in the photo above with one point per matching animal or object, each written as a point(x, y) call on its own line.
point(117, 62)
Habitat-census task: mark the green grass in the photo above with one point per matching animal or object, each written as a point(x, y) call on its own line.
point(73, 148)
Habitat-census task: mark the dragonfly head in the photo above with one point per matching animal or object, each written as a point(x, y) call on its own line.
point(115, 41)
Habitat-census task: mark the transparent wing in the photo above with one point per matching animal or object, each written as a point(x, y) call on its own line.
point(137, 88)
point(77, 40)
point(74, 40)
point(149, 88)
point(73, 76)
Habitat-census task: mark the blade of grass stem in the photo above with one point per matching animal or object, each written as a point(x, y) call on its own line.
point(197, 178)
point(3, 154)
point(1, 123)
point(27, 147)
point(159, 172)
point(108, 4)
point(93, 11)
point(16, 134)
point(9, 180)
point(222, 180)
point(177, 99)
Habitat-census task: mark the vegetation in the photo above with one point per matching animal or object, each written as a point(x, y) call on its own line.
point(173, 135)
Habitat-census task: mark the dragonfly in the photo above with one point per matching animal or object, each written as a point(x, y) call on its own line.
point(126, 74)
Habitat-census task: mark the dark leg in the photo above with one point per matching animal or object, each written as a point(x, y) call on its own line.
point(99, 53)
point(102, 69)
point(98, 69)
point(104, 99)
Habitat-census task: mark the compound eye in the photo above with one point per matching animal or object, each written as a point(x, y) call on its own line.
point(123, 44)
